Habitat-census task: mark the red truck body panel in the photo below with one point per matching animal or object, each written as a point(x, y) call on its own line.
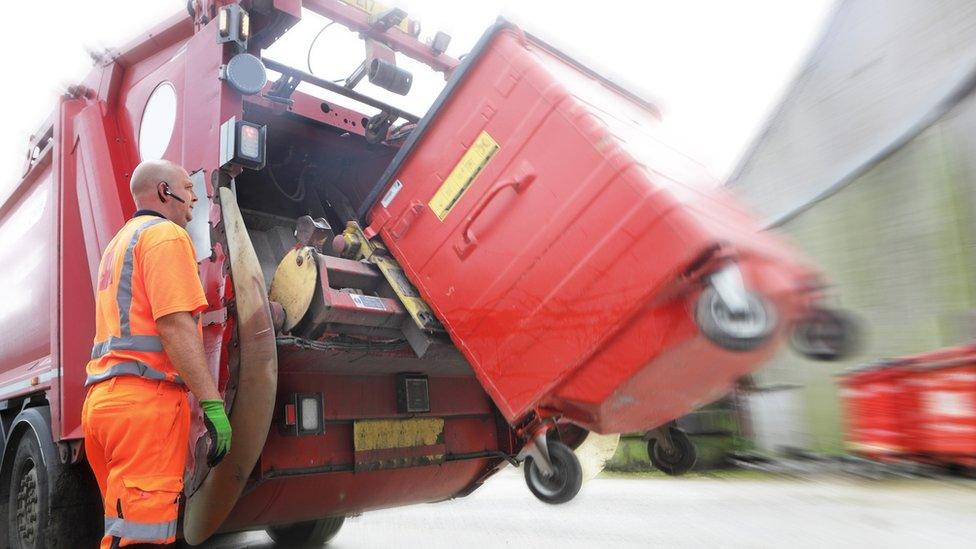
point(301, 476)
point(28, 250)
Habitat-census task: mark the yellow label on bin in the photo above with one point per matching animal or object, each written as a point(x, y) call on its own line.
point(463, 175)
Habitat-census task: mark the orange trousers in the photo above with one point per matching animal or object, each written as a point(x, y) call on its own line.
point(136, 440)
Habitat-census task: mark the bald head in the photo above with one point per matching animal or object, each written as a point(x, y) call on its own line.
point(148, 175)
point(164, 187)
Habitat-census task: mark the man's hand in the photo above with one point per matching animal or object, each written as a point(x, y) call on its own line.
point(218, 428)
point(182, 342)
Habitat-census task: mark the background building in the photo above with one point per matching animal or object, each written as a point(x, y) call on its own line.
point(869, 165)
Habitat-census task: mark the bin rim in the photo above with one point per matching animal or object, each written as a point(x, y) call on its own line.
point(467, 63)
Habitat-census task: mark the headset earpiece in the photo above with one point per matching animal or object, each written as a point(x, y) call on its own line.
point(169, 193)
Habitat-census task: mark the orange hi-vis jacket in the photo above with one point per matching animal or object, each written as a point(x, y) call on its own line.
point(147, 271)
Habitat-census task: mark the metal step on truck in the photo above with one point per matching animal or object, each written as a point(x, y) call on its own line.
point(399, 305)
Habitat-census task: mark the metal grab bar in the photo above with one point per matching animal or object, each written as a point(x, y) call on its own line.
point(341, 90)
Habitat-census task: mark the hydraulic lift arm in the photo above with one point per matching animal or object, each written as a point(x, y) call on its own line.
point(369, 18)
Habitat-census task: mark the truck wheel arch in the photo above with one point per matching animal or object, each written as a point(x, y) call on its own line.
point(33, 421)
point(36, 420)
point(74, 503)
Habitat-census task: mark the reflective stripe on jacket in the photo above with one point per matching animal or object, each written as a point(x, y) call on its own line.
point(148, 269)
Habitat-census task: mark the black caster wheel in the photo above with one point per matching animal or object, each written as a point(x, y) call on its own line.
point(679, 460)
point(735, 332)
point(826, 334)
point(563, 484)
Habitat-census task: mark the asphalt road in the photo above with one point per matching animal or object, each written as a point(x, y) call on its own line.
point(664, 512)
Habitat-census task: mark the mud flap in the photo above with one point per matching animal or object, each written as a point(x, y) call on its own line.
point(250, 418)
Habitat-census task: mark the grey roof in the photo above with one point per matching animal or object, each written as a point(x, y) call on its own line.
point(883, 71)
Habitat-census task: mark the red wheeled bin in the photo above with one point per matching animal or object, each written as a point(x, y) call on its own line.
point(878, 413)
point(944, 386)
point(920, 407)
point(586, 270)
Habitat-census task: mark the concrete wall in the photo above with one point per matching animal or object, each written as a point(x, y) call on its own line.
point(899, 244)
point(898, 239)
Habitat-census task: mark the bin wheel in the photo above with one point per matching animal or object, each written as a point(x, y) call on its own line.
point(566, 480)
point(742, 332)
point(311, 533)
point(679, 460)
point(826, 334)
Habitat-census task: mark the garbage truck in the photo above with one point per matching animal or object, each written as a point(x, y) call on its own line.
point(399, 305)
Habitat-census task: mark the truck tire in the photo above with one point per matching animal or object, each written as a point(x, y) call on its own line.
point(27, 508)
point(43, 507)
point(313, 533)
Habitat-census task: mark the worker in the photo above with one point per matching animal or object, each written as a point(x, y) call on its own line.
point(148, 353)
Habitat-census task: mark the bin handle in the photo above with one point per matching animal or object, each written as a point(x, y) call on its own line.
point(468, 238)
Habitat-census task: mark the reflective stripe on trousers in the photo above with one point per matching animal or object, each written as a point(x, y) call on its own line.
point(123, 299)
point(140, 531)
point(136, 440)
point(140, 369)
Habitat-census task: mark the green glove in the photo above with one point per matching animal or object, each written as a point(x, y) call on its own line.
point(218, 428)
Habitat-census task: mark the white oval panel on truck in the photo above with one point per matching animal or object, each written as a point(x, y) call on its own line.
point(158, 121)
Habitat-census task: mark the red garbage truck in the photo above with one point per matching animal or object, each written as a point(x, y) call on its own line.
point(399, 306)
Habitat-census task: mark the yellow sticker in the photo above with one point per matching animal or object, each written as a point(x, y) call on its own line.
point(463, 175)
point(374, 434)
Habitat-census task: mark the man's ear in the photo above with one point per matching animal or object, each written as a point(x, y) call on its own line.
point(161, 191)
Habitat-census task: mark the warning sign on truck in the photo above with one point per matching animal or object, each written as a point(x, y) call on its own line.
point(463, 175)
point(368, 302)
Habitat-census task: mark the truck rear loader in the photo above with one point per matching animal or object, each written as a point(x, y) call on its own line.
point(399, 306)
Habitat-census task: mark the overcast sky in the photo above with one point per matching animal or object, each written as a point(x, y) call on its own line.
point(716, 67)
